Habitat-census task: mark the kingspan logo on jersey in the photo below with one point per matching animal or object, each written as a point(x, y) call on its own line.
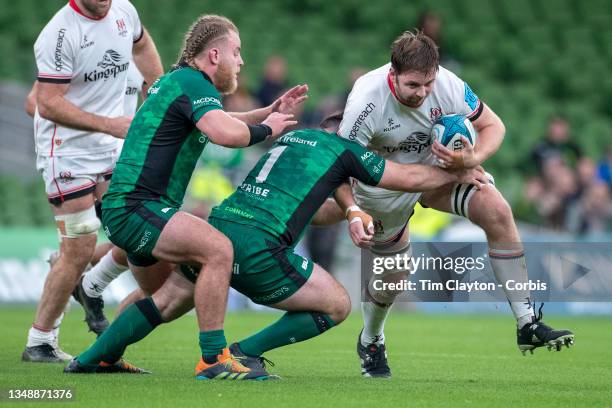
point(362, 116)
point(111, 67)
point(415, 143)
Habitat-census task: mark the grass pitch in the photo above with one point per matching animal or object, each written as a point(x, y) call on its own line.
point(437, 360)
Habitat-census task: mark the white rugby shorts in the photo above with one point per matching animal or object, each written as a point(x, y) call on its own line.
point(69, 177)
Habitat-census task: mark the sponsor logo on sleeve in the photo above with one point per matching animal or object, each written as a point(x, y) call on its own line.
point(208, 100)
point(58, 49)
point(470, 97)
point(369, 108)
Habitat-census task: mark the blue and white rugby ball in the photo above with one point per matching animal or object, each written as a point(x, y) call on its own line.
point(448, 130)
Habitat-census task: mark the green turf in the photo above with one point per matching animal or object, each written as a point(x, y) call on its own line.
point(440, 360)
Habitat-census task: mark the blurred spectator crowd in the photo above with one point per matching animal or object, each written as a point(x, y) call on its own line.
point(569, 191)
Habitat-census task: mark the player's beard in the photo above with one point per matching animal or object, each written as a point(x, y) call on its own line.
point(94, 8)
point(412, 101)
point(225, 79)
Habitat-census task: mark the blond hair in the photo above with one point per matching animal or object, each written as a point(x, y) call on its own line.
point(202, 34)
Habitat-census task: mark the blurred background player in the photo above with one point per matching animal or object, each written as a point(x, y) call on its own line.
point(82, 55)
point(391, 109)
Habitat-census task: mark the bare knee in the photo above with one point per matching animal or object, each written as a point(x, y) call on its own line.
point(341, 307)
point(496, 213)
point(220, 253)
point(217, 251)
point(75, 254)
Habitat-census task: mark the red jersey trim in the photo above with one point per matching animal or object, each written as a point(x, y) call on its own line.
point(392, 89)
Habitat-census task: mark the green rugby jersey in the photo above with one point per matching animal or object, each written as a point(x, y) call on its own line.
point(287, 186)
point(163, 144)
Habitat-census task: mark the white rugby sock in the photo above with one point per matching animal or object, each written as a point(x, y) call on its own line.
point(374, 317)
point(510, 264)
point(36, 337)
point(56, 328)
point(103, 273)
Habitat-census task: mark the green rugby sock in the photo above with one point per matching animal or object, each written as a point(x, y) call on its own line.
point(212, 344)
point(292, 327)
point(132, 325)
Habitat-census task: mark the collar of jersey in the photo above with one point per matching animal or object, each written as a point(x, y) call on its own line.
point(183, 64)
point(392, 88)
point(76, 8)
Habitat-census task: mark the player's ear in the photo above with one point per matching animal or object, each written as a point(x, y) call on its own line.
point(214, 55)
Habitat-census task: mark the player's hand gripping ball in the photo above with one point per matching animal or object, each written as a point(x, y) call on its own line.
point(448, 130)
point(458, 137)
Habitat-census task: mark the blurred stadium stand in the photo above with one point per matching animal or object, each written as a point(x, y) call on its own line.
point(526, 59)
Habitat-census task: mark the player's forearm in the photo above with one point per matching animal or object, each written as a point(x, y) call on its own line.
point(147, 58)
point(252, 117)
point(490, 139)
point(414, 178)
point(236, 136)
point(64, 113)
point(344, 197)
point(329, 213)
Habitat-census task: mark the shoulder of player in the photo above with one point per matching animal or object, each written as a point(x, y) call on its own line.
point(123, 6)
point(367, 95)
point(371, 82)
point(188, 77)
point(59, 30)
point(446, 79)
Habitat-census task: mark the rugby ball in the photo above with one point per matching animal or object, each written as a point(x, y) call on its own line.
point(448, 130)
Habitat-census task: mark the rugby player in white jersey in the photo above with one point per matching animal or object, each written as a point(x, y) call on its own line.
point(108, 261)
point(391, 110)
point(82, 55)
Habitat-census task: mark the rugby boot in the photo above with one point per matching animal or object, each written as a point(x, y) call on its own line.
point(228, 368)
point(94, 309)
point(537, 334)
point(373, 359)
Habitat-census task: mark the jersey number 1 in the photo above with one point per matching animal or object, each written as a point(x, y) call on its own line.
point(267, 167)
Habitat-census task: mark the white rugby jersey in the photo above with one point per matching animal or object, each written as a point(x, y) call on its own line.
point(93, 56)
point(133, 89)
point(375, 118)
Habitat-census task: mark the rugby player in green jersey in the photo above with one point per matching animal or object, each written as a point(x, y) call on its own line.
point(264, 219)
point(141, 210)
